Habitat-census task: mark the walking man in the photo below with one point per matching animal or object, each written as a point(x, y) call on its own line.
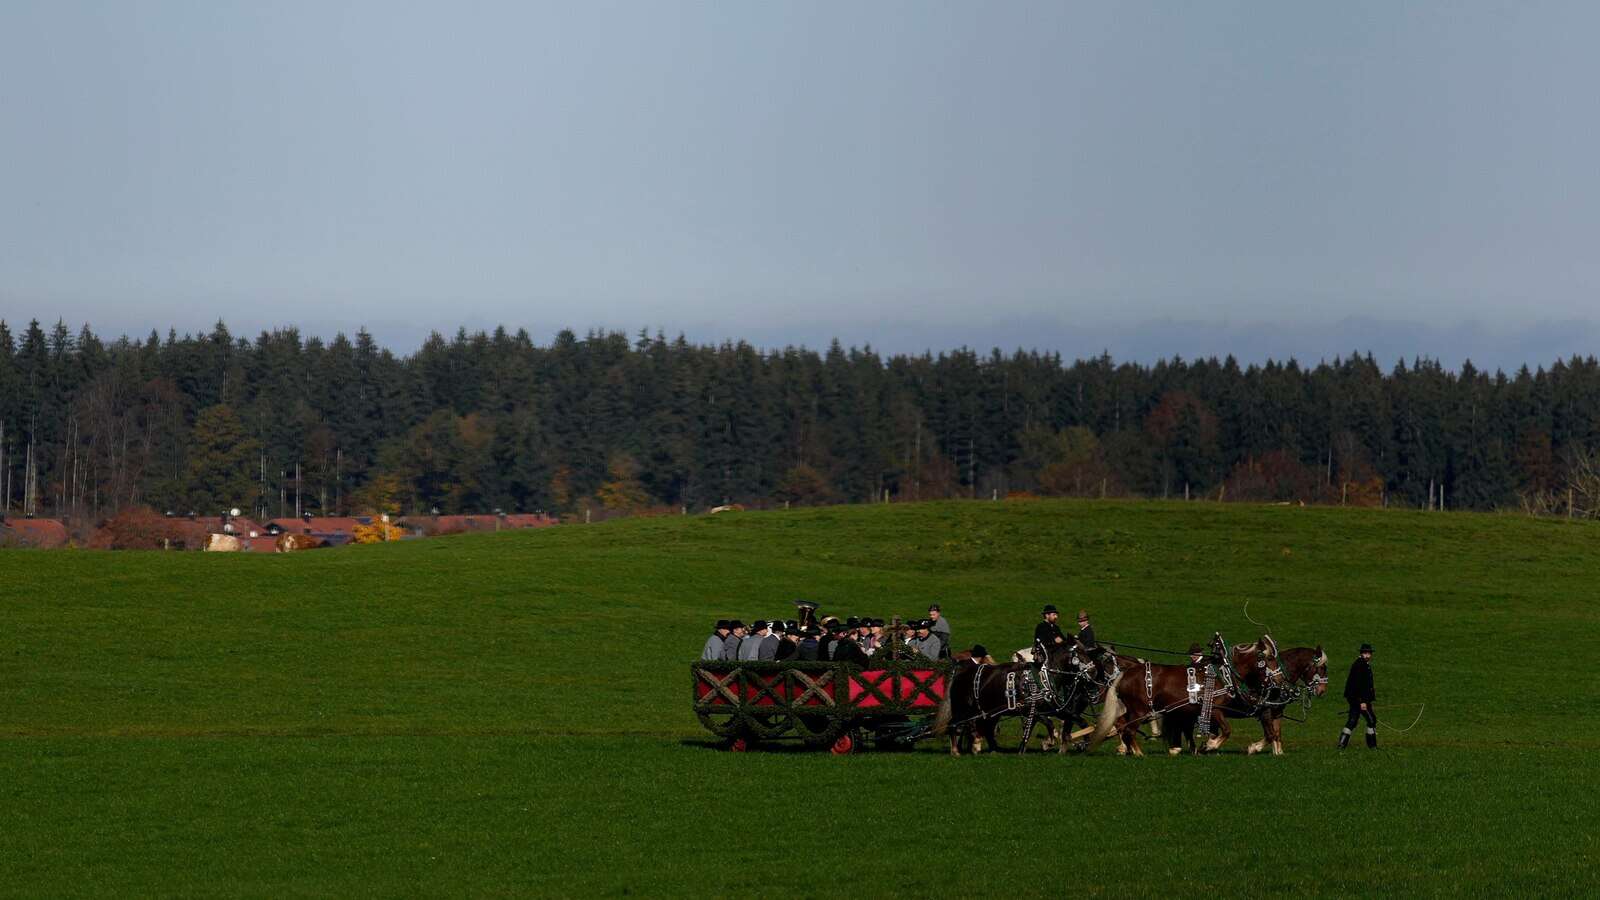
point(1358, 691)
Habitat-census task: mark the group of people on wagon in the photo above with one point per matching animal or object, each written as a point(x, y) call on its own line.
point(853, 639)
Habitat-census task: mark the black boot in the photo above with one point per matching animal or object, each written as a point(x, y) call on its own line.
point(1344, 739)
point(1372, 739)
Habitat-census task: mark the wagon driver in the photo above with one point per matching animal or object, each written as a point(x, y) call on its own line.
point(1048, 633)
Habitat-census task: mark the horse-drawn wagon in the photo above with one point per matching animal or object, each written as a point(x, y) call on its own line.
point(822, 704)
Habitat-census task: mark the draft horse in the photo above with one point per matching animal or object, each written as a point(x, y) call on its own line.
point(1143, 691)
point(1301, 670)
point(979, 695)
point(1258, 669)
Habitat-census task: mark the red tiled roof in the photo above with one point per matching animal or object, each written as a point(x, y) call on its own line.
point(530, 520)
point(321, 524)
point(47, 534)
point(195, 530)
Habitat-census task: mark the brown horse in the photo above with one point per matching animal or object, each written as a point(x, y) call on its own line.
point(1301, 668)
point(1266, 689)
point(1150, 692)
point(1272, 679)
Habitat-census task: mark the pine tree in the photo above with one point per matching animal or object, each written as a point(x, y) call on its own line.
point(222, 461)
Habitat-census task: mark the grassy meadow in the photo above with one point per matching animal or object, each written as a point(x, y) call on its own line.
point(510, 714)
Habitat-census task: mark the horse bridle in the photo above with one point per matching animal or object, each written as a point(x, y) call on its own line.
point(1082, 671)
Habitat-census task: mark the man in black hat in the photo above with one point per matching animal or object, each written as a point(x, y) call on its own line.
point(845, 649)
point(922, 640)
point(750, 647)
point(1358, 691)
point(809, 645)
point(730, 644)
point(1048, 633)
point(939, 627)
point(833, 630)
point(789, 646)
point(713, 647)
point(769, 642)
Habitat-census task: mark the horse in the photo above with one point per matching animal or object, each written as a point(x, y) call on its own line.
point(1302, 668)
point(1143, 691)
point(1258, 669)
point(980, 695)
point(1056, 735)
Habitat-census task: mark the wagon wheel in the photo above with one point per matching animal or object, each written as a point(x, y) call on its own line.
point(819, 730)
point(721, 721)
point(843, 745)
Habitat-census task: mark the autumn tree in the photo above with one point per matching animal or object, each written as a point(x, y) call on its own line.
point(622, 490)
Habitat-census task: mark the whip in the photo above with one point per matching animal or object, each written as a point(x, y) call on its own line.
point(1420, 708)
point(1262, 625)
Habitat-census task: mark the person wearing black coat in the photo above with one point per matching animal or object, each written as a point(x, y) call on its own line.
point(847, 650)
point(809, 644)
point(1085, 630)
point(789, 647)
point(1048, 632)
point(1359, 692)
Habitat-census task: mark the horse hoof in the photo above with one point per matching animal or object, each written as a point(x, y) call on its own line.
point(1174, 751)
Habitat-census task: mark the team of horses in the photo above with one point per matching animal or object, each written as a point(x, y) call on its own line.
point(1056, 689)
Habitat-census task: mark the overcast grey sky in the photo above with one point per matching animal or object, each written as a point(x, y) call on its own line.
point(1267, 178)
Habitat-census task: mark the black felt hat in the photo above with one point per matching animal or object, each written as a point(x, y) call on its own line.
point(1196, 650)
point(979, 651)
point(722, 625)
point(1048, 609)
point(1365, 648)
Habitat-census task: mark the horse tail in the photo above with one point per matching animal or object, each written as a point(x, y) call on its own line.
point(941, 721)
point(1109, 711)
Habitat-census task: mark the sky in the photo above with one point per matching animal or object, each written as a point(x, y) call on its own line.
point(1148, 179)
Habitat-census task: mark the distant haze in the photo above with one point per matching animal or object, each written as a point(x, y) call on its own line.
point(1146, 179)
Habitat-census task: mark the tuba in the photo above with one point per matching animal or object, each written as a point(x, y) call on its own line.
point(808, 612)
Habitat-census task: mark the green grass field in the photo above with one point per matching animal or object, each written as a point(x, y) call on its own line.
point(509, 714)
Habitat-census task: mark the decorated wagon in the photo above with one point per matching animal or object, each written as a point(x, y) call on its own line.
point(893, 702)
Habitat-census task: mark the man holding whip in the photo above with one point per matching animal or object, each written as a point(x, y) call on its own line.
point(1358, 691)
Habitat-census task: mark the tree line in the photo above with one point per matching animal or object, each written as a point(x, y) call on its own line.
point(606, 423)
